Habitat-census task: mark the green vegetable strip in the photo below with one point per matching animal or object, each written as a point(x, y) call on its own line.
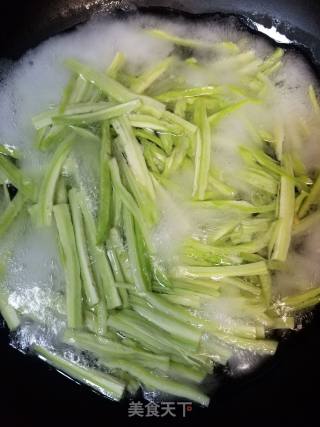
point(101, 267)
point(90, 322)
point(184, 316)
point(148, 77)
point(137, 273)
point(217, 273)
point(187, 373)
point(152, 123)
point(48, 186)
point(260, 179)
point(163, 384)
point(187, 333)
point(98, 116)
point(105, 83)
point(221, 187)
point(256, 346)
point(102, 382)
point(126, 198)
point(174, 162)
point(7, 150)
point(302, 300)
point(236, 205)
point(8, 313)
point(52, 137)
point(167, 142)
point(84, 108)
point(149, 335)
point(101, 317)
point(264, 160)
point(217, 350)
point(148, 208)
point(149, 135)
point(311, 199)
point(133, 153)
point(203, 149)
point(271, 60)
point(103, 222)
point(180, 108)
point(70, 263)
point(221, 114)
point(109, 86)
point(116, 209)
point(178, 122)
point(241, 284)
point(85, 133)
point(116, 65)
point(118, 246)
point(117, 272)
point(12, 210)
point(205, 286)
point(176, 95)
point(179, 41)
point(186, 299)
point(86, 274)
point(157, 302)
point(61, 195)
point(106, 348)
point(202, 249)
point(144, 257)
point(16, 177)
point(80, 90)
point(266, 284)
point(67, 94)
point(155, 158)
point(286, 214)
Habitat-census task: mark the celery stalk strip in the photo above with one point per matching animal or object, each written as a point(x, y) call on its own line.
point(141, 83)
point(160, 383)
point(107, 349)
point(286, 214)
point(110, 112)
point(17, 178)
point(217, 273)
point(48, 186)
point(100, 381)
point(12, 210)
point(9, 314)
point(134, 260)
point(108, 85)
point(133, 153)
point(104, 213)
point(116, 65)
point(85, 269)
point(202, 158)
point(70, 263)
point(100, 264)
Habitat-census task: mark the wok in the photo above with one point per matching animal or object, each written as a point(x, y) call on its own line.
point(284, 390)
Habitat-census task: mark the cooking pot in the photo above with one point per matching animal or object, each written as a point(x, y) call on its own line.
point(284, 390)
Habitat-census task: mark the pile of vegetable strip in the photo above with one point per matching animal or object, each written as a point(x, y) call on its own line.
point(139, 319)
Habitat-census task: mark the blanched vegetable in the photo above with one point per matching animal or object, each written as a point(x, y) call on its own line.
point(173, 211)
